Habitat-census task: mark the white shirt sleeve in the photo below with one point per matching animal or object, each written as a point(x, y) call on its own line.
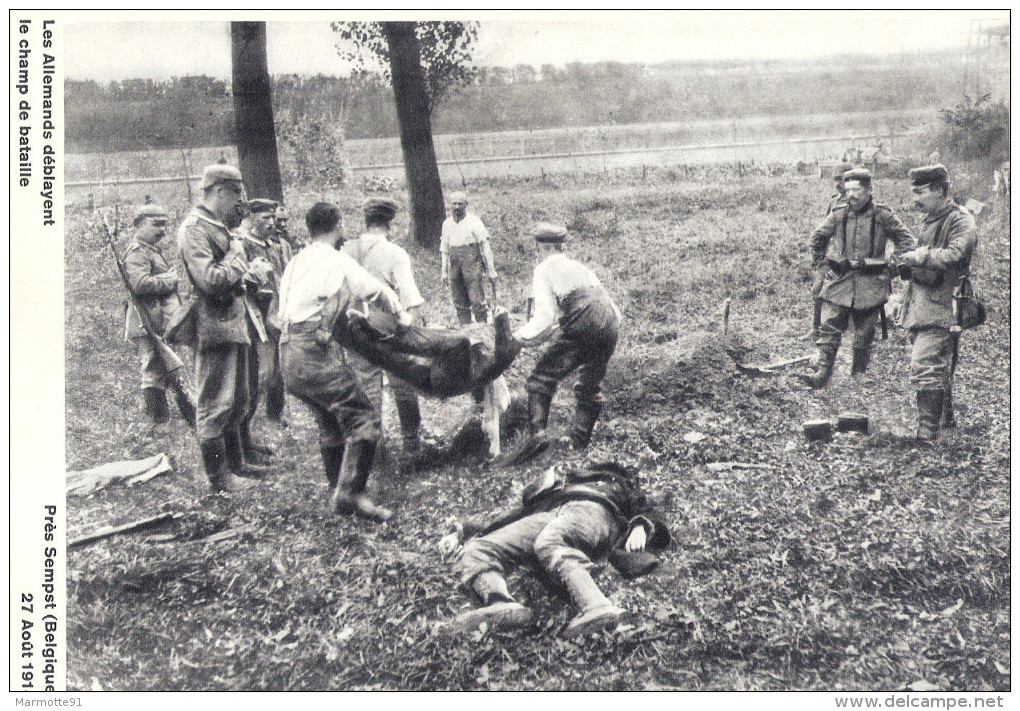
point(403, 279)
point(546, 311)
point(365, 286)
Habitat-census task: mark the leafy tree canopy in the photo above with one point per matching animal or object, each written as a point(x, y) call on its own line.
point(446, 49)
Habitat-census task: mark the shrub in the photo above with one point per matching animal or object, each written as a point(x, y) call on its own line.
point(313, 153)
point(975, 129)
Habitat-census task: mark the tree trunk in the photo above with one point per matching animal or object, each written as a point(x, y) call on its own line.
point(253, 112)
point(414, 116)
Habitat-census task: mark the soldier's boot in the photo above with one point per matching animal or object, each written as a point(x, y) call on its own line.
point(538, 419)
point(929, 414)
point(256, 454)
point(822, 372)
point(585, 417)
point(275, 399)
point(499, 610)
point(596, 611)
point(187, 407)
point(349, 495)
point(332, 458)
point(816, 322)
point(235, 456)
point(214, 459)
point(862, 357)
point(155, 406)
point(409, 414)
point(948, 417)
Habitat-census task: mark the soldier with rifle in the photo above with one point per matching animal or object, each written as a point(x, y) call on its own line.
point(152, 289)
point(849, 248)
point(935, 271)
point(837, 199)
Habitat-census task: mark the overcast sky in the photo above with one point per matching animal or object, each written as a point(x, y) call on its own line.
point(160, 45)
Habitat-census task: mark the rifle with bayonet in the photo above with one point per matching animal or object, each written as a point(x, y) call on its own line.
point(170, 361)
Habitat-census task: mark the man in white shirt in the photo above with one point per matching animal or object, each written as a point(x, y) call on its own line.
point(467, 260)
point(573, 310)
point(390, 264)
point(315, 368)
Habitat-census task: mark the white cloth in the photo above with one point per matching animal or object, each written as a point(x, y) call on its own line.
point(318, 272)
point(494, 404)
point(556, 277)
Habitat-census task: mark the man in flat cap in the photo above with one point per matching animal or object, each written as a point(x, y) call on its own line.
point(266, 262)
point(155, 284)
point(576, 314)
point(466, 260)
point(849, 248)
point(215, 263)
point(390, 264)
point(837, 199)
point(316, 286)
point(935, 269)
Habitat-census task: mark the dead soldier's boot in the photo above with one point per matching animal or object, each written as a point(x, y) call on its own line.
point(235, 457)
point(332, 458)
point(221, 479)
point(929, 414)
point(499, 610)
point(596, 611)
point(862, 356)
point(187, 407)
point(538, 420)
point(948, 417)
point(155, 406)
point(585, 417)
point(819, 376)
point(349, 496)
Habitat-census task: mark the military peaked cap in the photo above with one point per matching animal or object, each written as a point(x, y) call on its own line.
point(859, 174)
point(155, 212)
point(217, 173)
point(929, 174)
point(548, 233)
point(262, 205)
point(381, 207)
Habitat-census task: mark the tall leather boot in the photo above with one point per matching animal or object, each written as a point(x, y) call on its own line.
point(862, 356)
point(948, 417)
point(235, 456)
point(332, 458)
point(349, 496)
point(275, 398)
point(155, 406)
point(596, 611)
point(929, 414)
point(585, 417)
point(410, 429)
point(255, 453)
point(538, 412)
point(819, 377)
point(214, 459)
point(187, 407)
point(499, 610)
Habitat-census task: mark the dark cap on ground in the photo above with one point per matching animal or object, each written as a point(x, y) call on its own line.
point(859, 174)
point(381, 207)
point(548, 233)
point(262, 205)
point(929, 174)
point(218, 173)
point(155, 212)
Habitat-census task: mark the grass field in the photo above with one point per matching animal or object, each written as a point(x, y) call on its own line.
point(870, 563)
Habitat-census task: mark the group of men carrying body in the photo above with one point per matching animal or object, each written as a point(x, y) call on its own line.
point(260, 314)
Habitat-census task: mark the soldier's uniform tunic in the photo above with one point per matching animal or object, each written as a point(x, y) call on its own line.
point(155, 285)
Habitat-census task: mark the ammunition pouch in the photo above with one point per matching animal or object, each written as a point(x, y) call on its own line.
point(930, 278)
point(872, 267)
point(839, 267)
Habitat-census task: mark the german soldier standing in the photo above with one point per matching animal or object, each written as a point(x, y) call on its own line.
point(935, 269)
point(155, 284)
point(849, 246)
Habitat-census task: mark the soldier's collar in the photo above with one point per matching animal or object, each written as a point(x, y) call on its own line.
point(939, 214)
point(202, 212)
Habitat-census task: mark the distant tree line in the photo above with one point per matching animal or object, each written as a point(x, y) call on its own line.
point(197, 110)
